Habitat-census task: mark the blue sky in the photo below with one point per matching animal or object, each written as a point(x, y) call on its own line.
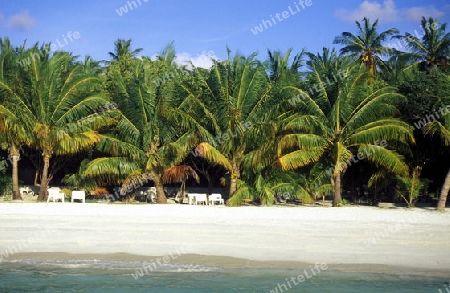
point(201, 27)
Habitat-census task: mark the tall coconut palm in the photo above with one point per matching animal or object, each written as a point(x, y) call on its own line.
point(168, 55)
point(234, 107)
point(58, 108)
point(326, 62)
point(11, 126)
point(122, 49)
point(335, 129)
point(442, 128)
point(330, 66)
point(279, 67)
point(367, 44)
point(432, 48)
point(147, 139)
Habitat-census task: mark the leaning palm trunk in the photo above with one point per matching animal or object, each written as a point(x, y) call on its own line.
point(337, 190)
point(44, 179)
point(444, 193)
point(160, 194)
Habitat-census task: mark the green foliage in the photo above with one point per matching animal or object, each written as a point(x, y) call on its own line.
point(269, 126)
point(5, 183)
point(431, 50)
point(78, 180)
point(264, 189)
point(410, 187)
point(334, 128)
point(367, 46)
point(66, 191)
point(342, 202)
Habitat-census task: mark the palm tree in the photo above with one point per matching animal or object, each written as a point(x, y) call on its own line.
point(11, 127)
point(330, 66)
point(432, 48)
point(180, 174)
point(122, 49)
point(397, 69)
point(334, 129)
point(233, 106)
point(78, 181)
point(279, 68)
point(168, 55)
point(147, 139)
point(442, 128)
point(58, 108)
point(411, 186)
point(367, 44)
point(91, 66)
point(326, 62)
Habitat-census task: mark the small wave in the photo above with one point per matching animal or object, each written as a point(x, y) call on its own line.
point(114, 265)
point(184, 268)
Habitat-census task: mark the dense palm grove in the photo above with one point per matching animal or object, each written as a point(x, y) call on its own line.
point(371, 122)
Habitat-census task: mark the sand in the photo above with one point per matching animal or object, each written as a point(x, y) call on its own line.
point(353, 238)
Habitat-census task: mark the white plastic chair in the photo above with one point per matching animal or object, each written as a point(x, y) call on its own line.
point(54, 193)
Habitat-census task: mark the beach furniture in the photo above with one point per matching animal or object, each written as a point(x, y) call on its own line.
point(180, 196)
point(26, 190)
point(54, 193)
point(78, 194)
point(149, 194)
point(215, 198)
point(197, 198)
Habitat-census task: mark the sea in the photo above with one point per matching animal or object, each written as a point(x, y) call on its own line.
point(98, 276)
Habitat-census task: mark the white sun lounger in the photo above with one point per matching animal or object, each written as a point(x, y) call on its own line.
point(215, 198)
point(197, 198)
point(78, 194)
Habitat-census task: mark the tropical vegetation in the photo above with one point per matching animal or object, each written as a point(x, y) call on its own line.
point(364, 122)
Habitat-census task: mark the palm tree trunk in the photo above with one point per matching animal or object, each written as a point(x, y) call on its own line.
point(444, 193)
point(235, 175)
point(182, 191)
point(372, 66)
point(210, 184)
point(44, 178)
point(36, 176)
point(337, 190)
point(15, 172)
point(160, 194)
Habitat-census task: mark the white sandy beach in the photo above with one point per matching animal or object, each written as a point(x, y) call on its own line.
point(398, 240)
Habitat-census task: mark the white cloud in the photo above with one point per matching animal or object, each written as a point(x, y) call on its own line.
point(21, 21)
point(203, 60)
point(415, 13)
point(385, 12)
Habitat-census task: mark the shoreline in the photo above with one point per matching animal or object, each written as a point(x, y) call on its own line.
point(227, 262)
point(354, 238)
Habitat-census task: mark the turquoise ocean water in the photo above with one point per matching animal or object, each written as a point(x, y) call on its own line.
point(114, 276)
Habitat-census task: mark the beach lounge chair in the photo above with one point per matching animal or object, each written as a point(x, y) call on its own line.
point(78, 194)
point(54, 193)
point(191, 198)
point(215, 198)
point(197, 198)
